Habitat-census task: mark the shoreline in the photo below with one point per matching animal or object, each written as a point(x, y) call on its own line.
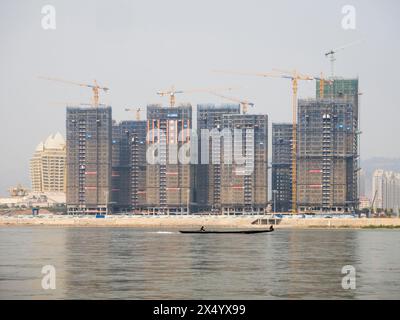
point(194, 222)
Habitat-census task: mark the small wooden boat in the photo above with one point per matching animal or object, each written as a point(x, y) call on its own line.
point(227, 231)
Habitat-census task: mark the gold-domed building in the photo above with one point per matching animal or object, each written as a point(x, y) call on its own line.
point(48, 165)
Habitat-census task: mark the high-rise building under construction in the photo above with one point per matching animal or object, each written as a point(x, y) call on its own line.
point(232, 174)
point(282, 155)
point(244, 177)
point(327, 155)
point(170, 176)
point(208, 188)
point(89, 135)
point(318, 151)
point(128, 165)
point(138, 165)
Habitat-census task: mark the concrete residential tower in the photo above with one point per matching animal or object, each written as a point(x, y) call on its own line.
point(209, 117)
point(169, 182)
point(89, 140)
point(327, 156)
point(386, 190)
point(128, 165)
point(282, 155)
point(244, 186)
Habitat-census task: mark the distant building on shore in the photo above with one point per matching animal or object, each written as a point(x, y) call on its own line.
point(48, 165)
point(89, 159)
point(244, 186)
point(365, 203)
point(209, 117)
point(22, 198)
point(18, 191)
point(386, 190)
point(128, 166)
point(328, 148)
point(282, 155)
point(169, 182)
point(327, 156)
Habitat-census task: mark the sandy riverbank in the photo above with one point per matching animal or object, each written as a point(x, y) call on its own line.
point(197, 221)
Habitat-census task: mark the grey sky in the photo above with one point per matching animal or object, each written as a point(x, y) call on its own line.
point(139, 47)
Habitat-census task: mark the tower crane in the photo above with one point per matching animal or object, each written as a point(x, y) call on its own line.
point(332, 54)
point(172, 92)
point(294, 77)
point(243, 103)
point(372, 209)
point(137, 111)
point(95, 88)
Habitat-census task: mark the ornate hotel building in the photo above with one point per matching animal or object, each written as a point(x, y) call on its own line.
point(47, 166)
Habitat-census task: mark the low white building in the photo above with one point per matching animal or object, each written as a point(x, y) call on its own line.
point(35, 199)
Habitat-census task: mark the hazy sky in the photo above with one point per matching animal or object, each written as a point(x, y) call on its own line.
point(139, 47)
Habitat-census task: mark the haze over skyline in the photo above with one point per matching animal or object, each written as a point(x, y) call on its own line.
point(137, 48)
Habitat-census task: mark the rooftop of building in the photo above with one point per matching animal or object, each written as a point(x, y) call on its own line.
point(53, 142)
point(87, 106)
point(216, 107)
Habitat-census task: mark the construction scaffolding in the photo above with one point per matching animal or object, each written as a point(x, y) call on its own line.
point(209, 117)
point(89, 157)
point(282, 166)
point(244, 187)
point(169, 183)
point(128, 165)
point(327, 157)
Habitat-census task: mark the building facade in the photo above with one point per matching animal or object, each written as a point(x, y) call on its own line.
point(89, 159)
point(244, 184)
point(362, 184)
point(128, 164)
point(338, 87)
point(170, 182)
point(138, 166)
point(386, 190)
point(48, 165)
point(282, 155)
point(327, 160)
point(208, 188)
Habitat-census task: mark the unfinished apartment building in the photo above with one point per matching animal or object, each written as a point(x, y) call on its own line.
point(208, 188)
point(138, 166)
point(169, 182)
point(327, 155)
point(89, 135)
point(128, 165)
point(244, 186)
point(282, 155)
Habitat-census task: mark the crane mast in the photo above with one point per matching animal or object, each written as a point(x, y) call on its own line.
point(294, 76)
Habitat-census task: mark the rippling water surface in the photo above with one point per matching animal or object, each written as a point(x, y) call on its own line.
point(126, 263)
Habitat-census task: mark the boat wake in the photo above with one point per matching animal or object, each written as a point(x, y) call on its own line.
point(163, 232)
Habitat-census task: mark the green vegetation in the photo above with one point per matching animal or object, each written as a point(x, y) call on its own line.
point(332, 227)
point(381, 226)
point(60, 209)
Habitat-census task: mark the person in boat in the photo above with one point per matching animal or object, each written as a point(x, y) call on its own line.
point(202, 229)
point(271, 228)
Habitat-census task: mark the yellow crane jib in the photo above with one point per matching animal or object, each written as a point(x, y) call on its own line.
point(172, 92)
point(294, 77)
point(243, 103)
point(94, 87)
